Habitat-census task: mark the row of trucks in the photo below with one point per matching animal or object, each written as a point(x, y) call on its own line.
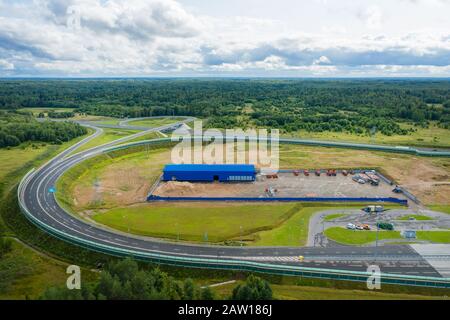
point(329, 172)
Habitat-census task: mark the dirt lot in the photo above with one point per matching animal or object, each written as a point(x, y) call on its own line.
point(121, 181)
point(287, 185)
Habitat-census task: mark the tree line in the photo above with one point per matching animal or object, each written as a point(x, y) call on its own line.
point(126, 280)
point(314, 105)
point(17, 128)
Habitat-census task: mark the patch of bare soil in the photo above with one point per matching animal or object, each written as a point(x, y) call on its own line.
point(187, 189)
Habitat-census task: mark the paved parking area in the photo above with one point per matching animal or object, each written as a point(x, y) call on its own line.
point(286, 185)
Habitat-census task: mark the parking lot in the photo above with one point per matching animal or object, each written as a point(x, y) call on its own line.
point(285, 185)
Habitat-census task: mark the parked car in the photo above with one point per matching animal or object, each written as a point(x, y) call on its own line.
point(351, 226)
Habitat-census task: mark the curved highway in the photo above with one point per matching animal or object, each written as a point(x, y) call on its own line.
point(40, 206)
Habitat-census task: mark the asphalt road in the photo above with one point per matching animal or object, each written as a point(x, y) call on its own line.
point(41, 203)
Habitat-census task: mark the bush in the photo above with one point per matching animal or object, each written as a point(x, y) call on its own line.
point(5, 246)
point(254, 288)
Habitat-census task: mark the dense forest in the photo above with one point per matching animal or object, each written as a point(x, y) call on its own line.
point(355, 106)
point(125, 280)
point(16, 128)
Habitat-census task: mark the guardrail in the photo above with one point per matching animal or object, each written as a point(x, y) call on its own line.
point(221, 263)
point(372, 147)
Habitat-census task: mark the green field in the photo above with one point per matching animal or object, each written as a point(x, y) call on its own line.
point(427, 137)
point(359, 237)
point(293, 232)
point(416, 217)
point(151, 123)
point(24, 273)
point(108, 135)
point(111, 121)
point(27, 273)
point(434, 236)
point(36, 111)
point(292, 292)
point(440, 208)
point(334, 216)
point(197, 221)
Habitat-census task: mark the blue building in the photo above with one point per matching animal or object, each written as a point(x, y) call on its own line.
point(209, 172)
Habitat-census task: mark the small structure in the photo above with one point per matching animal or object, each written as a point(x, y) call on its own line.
point(409, 234)
point(209, 172)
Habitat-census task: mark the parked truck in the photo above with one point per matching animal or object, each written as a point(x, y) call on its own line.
point(373, 209)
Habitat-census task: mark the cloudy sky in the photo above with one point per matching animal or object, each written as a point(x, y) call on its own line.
point(293, 38)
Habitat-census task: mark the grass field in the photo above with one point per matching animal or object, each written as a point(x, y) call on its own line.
point(427, 137)
point(151, 123)
point(302, 292)
point(14, 158)
point(25, 272)
point(213, 222)
point(358, 237)
point(416, 217)
point(334, 216)
point(294, 232)
point(434, 236)
point(440, 208)
point(30, 273)
point(108, 135)
point(36, 111)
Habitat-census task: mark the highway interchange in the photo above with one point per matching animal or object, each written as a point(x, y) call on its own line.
point(36, 199)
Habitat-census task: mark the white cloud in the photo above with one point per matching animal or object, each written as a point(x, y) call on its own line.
point(5, 65)
point(154, 37)
point(373, 17)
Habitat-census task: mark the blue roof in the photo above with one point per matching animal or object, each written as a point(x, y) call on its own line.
point(249, 168)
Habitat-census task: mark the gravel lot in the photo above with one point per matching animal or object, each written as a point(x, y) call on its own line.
point(287, 185)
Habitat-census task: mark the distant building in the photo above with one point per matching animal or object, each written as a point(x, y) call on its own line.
point(209, 172)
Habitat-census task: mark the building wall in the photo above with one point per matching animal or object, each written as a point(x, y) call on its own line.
point(208, 176)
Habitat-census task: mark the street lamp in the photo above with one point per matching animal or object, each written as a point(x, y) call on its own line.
point(241, 234)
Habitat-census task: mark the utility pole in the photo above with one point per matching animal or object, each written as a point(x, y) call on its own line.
point(241, 234)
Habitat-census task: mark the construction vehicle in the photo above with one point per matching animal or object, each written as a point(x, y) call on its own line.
point(271, 191)
point(359, 179)
point(317, 172)
point(306, 172)
point(372, 175)
point(397, 189)
point(331, 173)
point(372, 209)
